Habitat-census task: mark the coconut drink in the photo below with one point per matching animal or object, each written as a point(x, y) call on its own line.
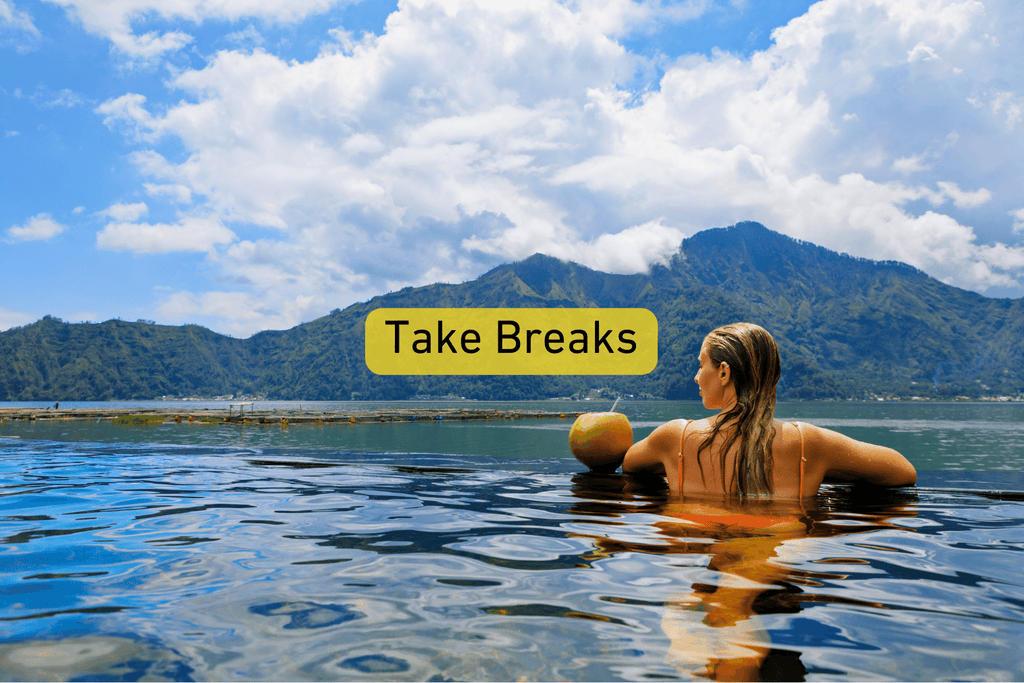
point(600, 440)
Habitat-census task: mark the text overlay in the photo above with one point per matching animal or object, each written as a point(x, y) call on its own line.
point(511, 341)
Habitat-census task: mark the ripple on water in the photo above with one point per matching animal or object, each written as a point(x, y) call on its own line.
point(93, 657)
point(308, 614)
point(375, 664)
point(225, 564)
point(523, 547)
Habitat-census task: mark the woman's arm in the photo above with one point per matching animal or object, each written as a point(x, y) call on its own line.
point(844, 459)
point(650, 454)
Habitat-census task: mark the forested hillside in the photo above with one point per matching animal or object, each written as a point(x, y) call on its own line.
point(846, 327)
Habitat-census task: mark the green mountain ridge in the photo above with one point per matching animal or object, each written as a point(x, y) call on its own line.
point(847, 328)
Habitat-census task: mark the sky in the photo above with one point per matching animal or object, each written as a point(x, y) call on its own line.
point(250, 165)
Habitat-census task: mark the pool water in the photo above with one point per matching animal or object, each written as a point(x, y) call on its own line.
point(184, 554)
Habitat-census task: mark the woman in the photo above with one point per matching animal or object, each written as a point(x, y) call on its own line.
point(744, 451)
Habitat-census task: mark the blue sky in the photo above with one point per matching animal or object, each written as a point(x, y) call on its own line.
point(253, 164)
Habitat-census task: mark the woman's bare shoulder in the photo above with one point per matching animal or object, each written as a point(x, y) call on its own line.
point(843, 458)
point(789, 433)
point(702, 426)
point(798, 429)
point(653, 451)
point(673, 429)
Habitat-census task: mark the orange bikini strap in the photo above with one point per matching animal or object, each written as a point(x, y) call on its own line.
point(682, 461)
point(803, 460)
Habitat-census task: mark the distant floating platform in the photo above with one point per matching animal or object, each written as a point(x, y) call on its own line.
point(245, 415)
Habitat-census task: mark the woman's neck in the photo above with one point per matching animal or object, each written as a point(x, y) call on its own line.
point(729, 399)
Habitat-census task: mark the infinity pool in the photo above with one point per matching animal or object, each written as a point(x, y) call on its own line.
point(144, 559)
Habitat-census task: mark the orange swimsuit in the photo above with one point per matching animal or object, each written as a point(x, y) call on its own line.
point(720, 521)
point(682, 463)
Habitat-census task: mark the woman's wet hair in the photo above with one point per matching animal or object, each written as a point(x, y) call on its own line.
point(755, 366)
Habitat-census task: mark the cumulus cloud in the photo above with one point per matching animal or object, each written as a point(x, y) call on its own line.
point(633, 250)
point(471, 133)
point(927, 158)
point(242, 309)
point(1018, 220)
point(64, 98)
point(248, 36)
point(861, 216)
point(1010, 105)
point(1005, 105)
point(175, 193)
point(9, 318)
point(16, 27)
point(962, 199)
point(921, 52)
point(189, 234)
point(117, 21)
point(129, 110)
point(126, 212)
point(39, 227)
point(911, 164)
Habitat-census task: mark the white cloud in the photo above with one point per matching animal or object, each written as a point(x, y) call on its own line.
point(921, 53)
point(176, 193)
point(634, 249)
point(189, 234)
point(755, 138)
point(64, 98)
point(925, 160)
point(473, 132)
point(859, 216)
point(129, 110)
point(1005, 105)
point(237, 308)
point(282, 290)
point(911, 164)
point(10, 17)
point(16, 27)
point(964, 200)
point(126, 212)
point(248, 36)
point(9, 318)
point(39, 227)
point(116, 21)
point(1010, 105)
point(1018, 220)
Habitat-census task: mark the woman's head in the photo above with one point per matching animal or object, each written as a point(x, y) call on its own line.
point(752, 358)
point(745, 359)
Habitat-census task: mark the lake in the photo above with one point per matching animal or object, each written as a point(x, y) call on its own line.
point(454, 551)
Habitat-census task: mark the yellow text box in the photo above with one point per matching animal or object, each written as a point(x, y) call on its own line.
point(511, 341)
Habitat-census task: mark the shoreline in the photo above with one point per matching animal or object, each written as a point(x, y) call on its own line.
point(238, 414)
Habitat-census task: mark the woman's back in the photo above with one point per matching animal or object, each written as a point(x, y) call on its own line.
point(802, 457)
point(744, 450)
point(703, 473)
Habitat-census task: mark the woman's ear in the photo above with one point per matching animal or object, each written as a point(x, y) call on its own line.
point(725, 373)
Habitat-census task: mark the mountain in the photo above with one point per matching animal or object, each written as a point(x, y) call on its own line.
point(847, 327)
point(883, 327)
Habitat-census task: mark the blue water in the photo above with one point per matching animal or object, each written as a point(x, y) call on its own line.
point(479, 551)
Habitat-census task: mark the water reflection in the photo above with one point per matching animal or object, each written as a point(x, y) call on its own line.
point(93, 657)
point(151, 561)
point(717, 629)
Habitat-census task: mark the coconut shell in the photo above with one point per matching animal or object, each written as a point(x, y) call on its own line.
point(600, 440)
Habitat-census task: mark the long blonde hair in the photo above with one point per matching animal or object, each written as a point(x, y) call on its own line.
point(755, 366)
